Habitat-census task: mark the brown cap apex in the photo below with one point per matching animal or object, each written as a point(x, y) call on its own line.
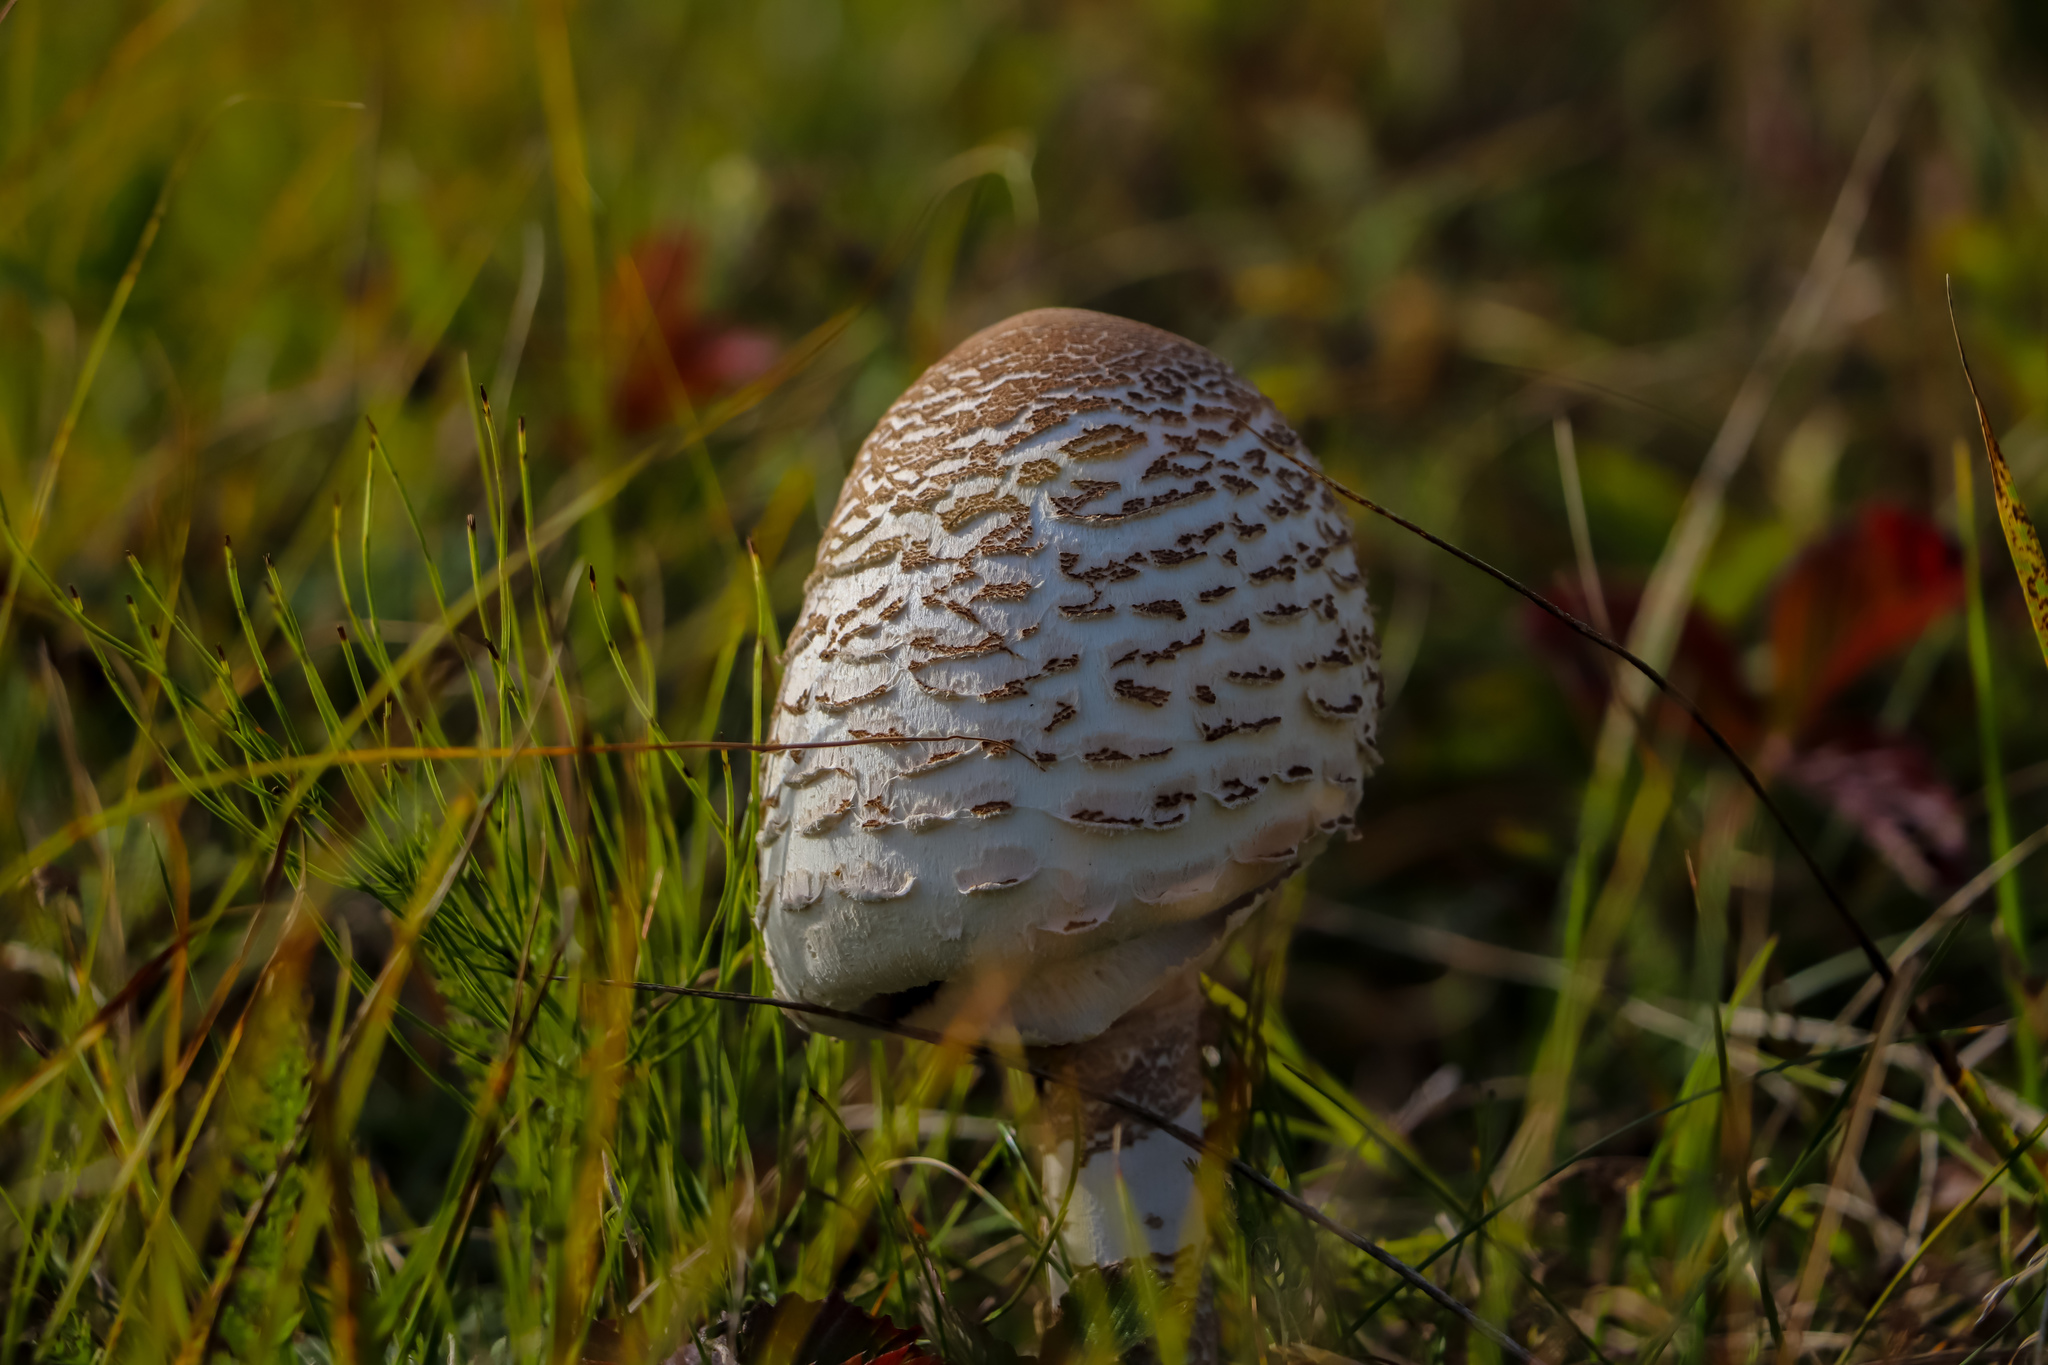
point(1072, 331)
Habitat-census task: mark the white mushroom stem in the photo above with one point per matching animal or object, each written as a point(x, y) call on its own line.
point(1133, 1186)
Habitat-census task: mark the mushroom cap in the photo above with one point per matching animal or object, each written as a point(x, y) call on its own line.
point(1094, 558)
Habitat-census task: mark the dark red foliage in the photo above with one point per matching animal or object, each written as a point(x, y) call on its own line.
point(1886, 786)
point(1705, 666)
point(669, 351)
point(1855, 598)
point(1847, 602)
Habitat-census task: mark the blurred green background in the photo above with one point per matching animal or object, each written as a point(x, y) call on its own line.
point(1423, 228)
point(1427, 229)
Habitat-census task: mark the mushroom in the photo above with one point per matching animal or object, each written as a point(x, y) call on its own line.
point(1099, 564)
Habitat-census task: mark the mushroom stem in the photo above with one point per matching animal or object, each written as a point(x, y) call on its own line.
point(1133, 1191)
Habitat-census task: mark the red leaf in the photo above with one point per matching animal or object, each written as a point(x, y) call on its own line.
point(669, 352)
point(1704, 667)
point(1853, 599)
point(1887, 787)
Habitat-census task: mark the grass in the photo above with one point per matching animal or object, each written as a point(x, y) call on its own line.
point(385, 734)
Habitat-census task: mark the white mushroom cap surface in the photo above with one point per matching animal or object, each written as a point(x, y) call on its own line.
point(1092, 545)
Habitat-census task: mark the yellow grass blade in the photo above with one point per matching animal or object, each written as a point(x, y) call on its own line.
point(2020, 536)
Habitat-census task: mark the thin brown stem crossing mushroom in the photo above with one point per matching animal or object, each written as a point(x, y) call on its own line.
point(1098, 555)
